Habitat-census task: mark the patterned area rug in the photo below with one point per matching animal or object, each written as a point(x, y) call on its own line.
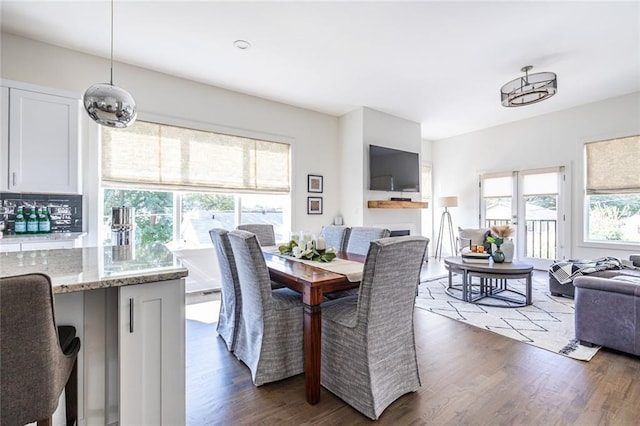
point(548, 323)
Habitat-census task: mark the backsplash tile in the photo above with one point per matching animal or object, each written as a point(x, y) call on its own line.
point(65, 209)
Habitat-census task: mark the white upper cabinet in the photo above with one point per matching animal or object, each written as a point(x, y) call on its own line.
point(4, 139)
point(42, 142)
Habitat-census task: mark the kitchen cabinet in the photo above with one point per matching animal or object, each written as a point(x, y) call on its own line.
point(152, 353)
point(4, 139)
point(40, 144)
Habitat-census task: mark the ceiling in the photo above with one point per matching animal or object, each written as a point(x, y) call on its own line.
point(437, 63)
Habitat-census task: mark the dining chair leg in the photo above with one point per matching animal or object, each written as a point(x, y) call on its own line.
point(71, 396)
point(44, 422)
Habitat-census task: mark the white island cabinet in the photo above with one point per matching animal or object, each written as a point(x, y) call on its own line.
point(152, 389)
point(127, 304)
point(39, 149)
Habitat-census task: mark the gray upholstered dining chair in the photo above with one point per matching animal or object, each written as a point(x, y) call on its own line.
point(335, 236)
point(368, 345)
point(270, 331)
point(264, 232)
point(358, 242)
point(37, 359)
point(230, 300)
point(361, 236)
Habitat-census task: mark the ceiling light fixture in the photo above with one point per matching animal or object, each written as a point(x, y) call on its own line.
point(107, 104)
point(529, 89)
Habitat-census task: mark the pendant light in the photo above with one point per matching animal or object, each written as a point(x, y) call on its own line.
point(107, 104)
point(529, 89)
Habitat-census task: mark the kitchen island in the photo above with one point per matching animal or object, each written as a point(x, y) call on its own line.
point(127, 304)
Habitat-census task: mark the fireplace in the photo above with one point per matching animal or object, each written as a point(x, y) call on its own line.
point(400, 233)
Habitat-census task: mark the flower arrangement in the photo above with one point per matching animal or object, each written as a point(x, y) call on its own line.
point(499, 233)
point(307, 251)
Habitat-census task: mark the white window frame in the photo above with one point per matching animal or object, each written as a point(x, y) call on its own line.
point(583, 230)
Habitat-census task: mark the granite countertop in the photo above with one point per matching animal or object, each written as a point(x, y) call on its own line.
point(89, 268)
point(54, 236)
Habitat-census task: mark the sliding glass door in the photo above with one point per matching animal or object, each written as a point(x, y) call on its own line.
point(530, 201)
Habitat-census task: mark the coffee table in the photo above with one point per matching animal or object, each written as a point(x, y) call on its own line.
point(493, 282)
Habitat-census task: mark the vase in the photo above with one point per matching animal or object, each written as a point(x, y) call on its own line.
point(497, 255)
point(508, 248)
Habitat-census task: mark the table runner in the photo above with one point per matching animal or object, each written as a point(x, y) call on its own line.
point(350, 269)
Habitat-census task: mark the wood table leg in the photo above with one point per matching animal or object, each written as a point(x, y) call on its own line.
point(312, 354)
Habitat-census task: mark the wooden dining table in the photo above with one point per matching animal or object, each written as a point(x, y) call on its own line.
point(312, 282)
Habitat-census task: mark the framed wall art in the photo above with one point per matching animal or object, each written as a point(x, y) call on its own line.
point(314, 183)
point(314, 205)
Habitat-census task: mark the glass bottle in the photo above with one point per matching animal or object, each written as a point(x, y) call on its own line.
point(32, 222)
point(44, 221)
point(20, 223)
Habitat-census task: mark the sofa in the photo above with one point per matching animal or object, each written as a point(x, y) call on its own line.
point(557, 289)
point(607, 312)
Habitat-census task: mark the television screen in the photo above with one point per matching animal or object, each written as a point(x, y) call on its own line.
point(393, 170)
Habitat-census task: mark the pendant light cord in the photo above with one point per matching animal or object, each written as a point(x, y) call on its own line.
point(111, 76)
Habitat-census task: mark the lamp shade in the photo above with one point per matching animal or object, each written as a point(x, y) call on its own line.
point(449, 201)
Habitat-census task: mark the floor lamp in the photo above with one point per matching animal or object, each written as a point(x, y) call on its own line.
point(445, 222)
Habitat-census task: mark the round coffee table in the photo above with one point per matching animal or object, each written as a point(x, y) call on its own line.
point(493, 281)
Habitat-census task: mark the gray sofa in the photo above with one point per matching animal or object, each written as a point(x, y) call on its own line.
point(557, 289)
point(607, 312)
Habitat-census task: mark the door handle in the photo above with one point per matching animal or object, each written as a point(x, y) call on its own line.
point(131, 315)
point(13, 175)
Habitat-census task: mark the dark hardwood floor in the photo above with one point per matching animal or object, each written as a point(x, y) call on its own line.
point(469, 376)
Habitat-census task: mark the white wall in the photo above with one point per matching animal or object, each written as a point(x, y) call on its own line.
point(393, 132)
point(548, 140)
point(358, 130)
point(313, 135)
point(351, 128)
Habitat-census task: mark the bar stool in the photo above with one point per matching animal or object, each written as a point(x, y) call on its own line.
point(37, 359)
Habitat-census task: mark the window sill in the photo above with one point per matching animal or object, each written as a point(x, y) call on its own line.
point(626, 246)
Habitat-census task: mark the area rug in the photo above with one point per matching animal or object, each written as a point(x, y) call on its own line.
point(548, 323)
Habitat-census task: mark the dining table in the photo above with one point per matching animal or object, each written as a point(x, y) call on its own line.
point(313, 282)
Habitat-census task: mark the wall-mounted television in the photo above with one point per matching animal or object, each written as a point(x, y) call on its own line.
point(393, 170)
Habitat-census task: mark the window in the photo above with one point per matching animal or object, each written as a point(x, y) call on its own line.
point(612, 199)
point(497, 195)
point(183, 182)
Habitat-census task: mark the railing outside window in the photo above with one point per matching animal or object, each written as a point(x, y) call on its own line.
point(540, 238)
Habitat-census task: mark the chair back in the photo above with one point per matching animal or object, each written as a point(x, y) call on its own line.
point(264, 232)
point(253, 274)
point(231, 305)
point(389, 285)
point(33, 368)
point(335, 236)
point(361, 236)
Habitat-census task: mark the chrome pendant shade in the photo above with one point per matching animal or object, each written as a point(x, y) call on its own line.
point(110, 105)
point(529, 89)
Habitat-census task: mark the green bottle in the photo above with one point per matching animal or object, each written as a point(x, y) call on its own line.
point(32, 222)
point(20, 223)
point(44, 221)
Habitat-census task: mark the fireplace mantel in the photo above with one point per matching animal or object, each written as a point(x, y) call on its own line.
point(388, 204)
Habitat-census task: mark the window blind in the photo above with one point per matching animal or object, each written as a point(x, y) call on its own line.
point(174, 158)
point(613, 166)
